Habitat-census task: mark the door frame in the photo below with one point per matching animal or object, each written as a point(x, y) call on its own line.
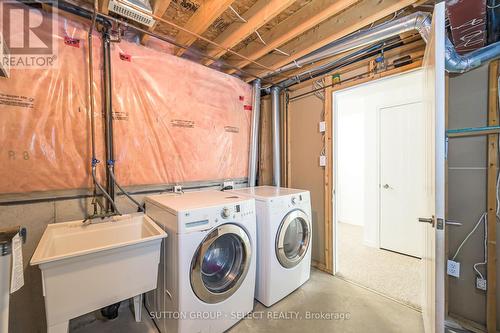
point(333, 167)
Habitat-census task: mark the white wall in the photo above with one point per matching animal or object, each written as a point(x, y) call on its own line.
point(351, 163)
point(356, 123)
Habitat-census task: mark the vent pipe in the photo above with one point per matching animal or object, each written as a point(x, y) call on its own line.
point(254, 135)
point(455, 63)
point(275, 107)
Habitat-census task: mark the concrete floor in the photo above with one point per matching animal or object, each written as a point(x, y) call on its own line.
point(362, 310)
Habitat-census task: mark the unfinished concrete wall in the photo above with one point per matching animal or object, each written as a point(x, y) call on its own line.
point(305, 173)
point(467, 162)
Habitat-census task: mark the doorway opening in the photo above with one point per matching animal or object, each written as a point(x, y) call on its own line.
point(381, 185)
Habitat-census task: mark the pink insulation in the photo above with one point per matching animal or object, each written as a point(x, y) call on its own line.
point(174, 120)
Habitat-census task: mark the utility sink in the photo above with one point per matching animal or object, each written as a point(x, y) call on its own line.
point(87, 267)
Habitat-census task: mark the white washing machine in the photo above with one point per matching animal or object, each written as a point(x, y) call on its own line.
point(284, 233)
point(207, 267)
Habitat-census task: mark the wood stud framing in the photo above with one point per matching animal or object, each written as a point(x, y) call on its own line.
point(329, 179)
point(491, 306)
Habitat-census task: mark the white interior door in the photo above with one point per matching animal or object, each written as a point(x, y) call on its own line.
point(434, 102)
point(403, 195)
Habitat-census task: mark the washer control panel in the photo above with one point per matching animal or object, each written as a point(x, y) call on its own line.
point(226, 212)
point(207, 218)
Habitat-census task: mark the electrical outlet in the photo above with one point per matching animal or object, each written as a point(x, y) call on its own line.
point(322, 160)
point(178, 189)
point(322, 126)
point(453, 268)
point(480, 283)
point(228, 184)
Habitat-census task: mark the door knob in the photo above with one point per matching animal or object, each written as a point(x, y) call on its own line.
point(387, 186)
point(429, 220)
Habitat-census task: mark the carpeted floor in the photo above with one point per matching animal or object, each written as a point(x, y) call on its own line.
point(391, 274)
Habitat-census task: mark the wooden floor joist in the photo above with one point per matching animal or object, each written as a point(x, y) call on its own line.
point(351, 20)
point(258, 15)
point(103, 6)
point(204, 16)
point(302, 20)
point(159, 9)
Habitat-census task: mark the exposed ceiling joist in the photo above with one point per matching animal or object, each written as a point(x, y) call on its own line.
point(347, 22)
point(159, 9)
point(204, 16)
point(304, 19)
point(103, 6)
point(258, 15)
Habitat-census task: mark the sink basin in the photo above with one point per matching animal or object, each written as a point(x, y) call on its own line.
point(87, 267)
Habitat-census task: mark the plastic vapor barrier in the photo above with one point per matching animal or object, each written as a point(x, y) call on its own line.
point(174, 120)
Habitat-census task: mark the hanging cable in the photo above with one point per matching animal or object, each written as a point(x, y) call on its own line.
point(485, 248)
point(264, 43)
point(260, 37)
point(481, 219)
point(237, 15)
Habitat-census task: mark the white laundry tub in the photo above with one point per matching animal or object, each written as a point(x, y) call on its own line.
point(87, 267)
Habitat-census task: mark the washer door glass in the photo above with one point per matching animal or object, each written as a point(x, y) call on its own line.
point(293, 238)
point(220, 263)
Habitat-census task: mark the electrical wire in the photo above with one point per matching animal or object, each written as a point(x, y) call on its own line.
point(485, 248)
point(264, 43)
point(483, 217)
point(237, 15)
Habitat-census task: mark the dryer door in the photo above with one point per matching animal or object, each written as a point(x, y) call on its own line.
point(220, 263)
point(293, 238)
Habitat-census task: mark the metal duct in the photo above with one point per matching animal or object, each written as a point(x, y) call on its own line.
point(275, 106)
point(254, 135)
point(456, 63)
point(418, 21)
